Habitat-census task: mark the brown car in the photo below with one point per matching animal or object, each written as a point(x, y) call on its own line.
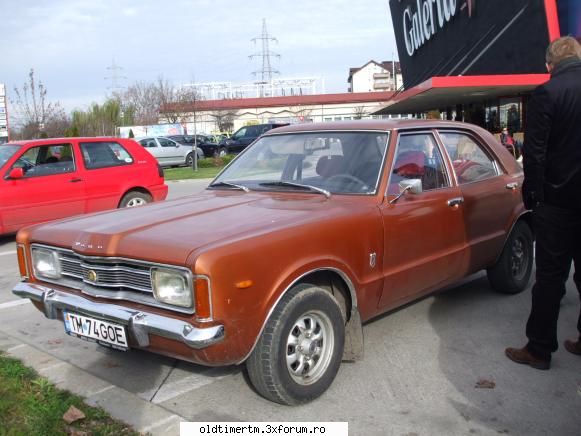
point(311, 231)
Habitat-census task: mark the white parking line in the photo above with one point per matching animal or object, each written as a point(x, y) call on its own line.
point(6, 253)
point(14, 303)
point(187, 384)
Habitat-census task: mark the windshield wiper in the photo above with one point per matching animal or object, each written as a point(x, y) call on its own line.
point(298, 185)
point(230, 184)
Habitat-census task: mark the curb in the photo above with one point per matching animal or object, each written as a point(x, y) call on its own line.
point(143, 416)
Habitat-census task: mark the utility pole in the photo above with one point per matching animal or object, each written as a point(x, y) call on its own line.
point(267, 71)
point(115, 76)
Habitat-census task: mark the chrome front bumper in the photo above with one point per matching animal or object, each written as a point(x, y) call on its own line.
point(139, 324)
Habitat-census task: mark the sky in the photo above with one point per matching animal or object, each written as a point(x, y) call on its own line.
point(70, 44)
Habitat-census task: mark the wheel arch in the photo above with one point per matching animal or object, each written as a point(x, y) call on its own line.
point(134, 189)
point(338, 283)
point(525, 216)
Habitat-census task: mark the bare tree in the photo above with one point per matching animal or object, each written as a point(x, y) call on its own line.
point(176, 104)
point(142, 100)
point(224, 120)
point(36, 115)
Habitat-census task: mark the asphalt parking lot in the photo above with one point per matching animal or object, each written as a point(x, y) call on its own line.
point(435, 367)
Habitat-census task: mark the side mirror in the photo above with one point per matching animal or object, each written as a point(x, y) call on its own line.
point(412, 185)
point(16, 173)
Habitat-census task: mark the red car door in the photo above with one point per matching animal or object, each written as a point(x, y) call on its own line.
point(50, 186)
point(424, 238)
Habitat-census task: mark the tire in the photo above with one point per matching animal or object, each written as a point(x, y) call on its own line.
point(281, 372)
point(512, 272)
point(222, 151)
point(189, 160)
point(135, 198)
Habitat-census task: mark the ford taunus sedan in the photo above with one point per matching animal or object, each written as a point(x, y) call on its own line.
point(313, 230)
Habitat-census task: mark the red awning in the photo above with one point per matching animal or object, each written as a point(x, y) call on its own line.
point(442, 92)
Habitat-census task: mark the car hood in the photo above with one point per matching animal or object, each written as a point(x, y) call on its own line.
point(170, 231)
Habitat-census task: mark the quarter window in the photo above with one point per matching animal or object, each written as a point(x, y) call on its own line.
point(470, 160)
point(46, 160)
point(418, 157)
point(104, 154)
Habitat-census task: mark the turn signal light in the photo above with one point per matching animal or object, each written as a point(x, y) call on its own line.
point(203, 299)
point(20, 253)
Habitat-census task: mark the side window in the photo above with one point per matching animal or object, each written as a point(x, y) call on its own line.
point(104, 154)
point(470, 160)
point(240, 133)
point(46, 160)
point(418, 157)
point(166, 142)
point(148, 143)
point(252, 132)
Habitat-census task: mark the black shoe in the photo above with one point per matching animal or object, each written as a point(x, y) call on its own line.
point(524, 356)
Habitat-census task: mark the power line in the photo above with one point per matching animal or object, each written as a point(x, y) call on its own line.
point(267, 71)
point(115, 76)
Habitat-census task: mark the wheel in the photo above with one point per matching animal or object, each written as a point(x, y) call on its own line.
point(222, 152)
point(299, 352)
point(512, 271)
point(189, 160)
point(135, 198)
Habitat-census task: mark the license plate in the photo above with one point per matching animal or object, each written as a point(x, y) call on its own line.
point(95, 330)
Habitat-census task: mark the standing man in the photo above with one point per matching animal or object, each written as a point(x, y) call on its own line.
point(552, 189)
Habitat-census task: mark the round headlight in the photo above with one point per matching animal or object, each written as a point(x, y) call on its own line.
point(46, 263)
point(172, 287)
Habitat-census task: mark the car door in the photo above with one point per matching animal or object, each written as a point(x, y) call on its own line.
point(424, 239)
point(50, 186)
point(488, 194)
point(171, 152)
point(108, 166)
point(151, 145)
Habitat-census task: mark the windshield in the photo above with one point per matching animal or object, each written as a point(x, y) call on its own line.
point(336, 162)
point(6, 152)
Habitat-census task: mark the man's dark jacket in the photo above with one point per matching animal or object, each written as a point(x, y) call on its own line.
point(552, 142)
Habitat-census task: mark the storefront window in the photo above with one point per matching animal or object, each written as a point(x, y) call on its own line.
point(510, 114)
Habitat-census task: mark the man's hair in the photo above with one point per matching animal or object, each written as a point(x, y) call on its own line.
point(561, 49)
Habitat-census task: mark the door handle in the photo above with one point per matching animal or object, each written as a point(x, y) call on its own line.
point(512, 185)
point(75, 180)
point(455, 202)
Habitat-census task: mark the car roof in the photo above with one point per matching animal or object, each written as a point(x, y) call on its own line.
point(66, 139)
point(387, 124)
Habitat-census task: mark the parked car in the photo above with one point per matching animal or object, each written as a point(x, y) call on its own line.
point(308, 233)
point(169, 152)
point(55, 178)
point(245, 136)
point(205, 143)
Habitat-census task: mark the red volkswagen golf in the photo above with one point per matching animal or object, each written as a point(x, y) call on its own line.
point(48, 179)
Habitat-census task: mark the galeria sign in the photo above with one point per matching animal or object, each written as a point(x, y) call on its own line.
point(421, 24)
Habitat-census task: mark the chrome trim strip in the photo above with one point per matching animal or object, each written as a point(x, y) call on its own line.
point(344, 276)
point(139, 324)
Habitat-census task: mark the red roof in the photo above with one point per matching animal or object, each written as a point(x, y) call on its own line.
point(295, 100)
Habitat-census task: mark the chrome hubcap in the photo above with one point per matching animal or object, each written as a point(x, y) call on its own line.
point(136, 202)
point(518, 261)
point(309, 347)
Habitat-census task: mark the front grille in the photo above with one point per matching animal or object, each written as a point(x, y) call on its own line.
point(110, 277)
point(106, 273)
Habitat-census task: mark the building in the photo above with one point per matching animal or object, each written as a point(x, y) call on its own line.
point(3, 115)
point(476, 60)
point(374, 77)
point(207, 115)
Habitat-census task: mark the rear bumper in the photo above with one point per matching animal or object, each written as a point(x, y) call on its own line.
point(139, 324)
point(159, 192)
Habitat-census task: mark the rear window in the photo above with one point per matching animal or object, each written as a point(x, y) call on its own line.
point(104, 154)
